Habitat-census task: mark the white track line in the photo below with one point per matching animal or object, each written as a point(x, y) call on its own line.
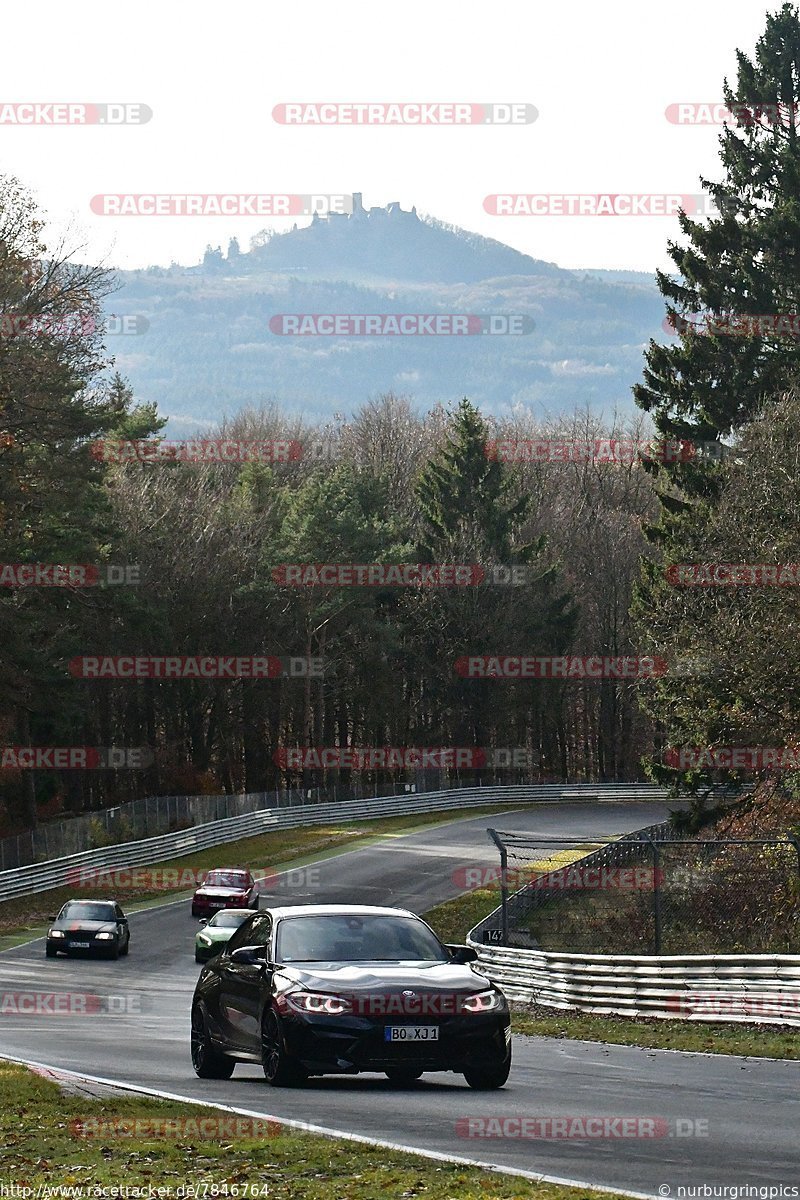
point(325, 1131)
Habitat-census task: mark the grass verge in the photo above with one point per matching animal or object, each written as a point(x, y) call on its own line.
point(453, 921)
point(704, 1037)
point(39, 1146)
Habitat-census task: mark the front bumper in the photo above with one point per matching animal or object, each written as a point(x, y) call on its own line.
point(83, 944)
point(207, 905)
point(204, 953)
point(346, 1044)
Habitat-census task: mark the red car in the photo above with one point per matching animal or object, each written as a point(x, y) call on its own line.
point(227, 887)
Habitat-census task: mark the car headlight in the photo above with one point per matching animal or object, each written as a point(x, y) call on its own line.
point(483, 1002)
point(202, 937)
point(56, 933)
point(105, 937)
point(317, 1002)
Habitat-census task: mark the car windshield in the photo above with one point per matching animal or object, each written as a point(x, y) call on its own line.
point(234, 879)
point(342, 937)
point(228, 920)
point(87, 912)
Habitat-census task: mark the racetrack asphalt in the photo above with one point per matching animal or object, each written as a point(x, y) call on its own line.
point(722, 1120)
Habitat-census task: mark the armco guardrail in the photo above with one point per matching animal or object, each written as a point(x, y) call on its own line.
point(711, 987)
point(57, 872)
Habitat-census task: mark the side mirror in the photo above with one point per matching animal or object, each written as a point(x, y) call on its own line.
point(204, 920)
point(249, 954)
point(462, 954)
point(52, 918)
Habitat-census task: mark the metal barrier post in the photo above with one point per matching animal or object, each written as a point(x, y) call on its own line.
point(656, 893)
point(796, 843)
point(503, 882)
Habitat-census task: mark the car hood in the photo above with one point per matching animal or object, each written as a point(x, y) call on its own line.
point(386, 978)
point(72, 926)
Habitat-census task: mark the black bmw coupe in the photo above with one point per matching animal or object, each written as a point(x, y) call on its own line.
point(337, 989)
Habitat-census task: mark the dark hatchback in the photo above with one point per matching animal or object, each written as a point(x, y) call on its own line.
point(91, 926)
point(337, 989)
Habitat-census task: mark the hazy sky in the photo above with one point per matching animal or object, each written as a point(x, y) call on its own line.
point(600, 75)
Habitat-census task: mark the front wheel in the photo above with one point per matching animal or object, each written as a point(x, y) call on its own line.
point(50, 951)
point(486, 1079)
point(280, 1069)
point(208, 1063)
point(113, 953)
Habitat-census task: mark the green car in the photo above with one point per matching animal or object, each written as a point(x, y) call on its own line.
point(218, 930)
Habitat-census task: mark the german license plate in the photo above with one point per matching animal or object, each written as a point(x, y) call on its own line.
point(411, 1033)
point(79, 945)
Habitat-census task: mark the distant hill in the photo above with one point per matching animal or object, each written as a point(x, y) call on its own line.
point(389, 243)
point(208, 348)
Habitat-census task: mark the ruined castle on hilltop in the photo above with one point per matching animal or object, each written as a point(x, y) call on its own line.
point(359, 213)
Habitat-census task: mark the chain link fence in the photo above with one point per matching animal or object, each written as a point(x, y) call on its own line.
point(151, 816)
point(646, 893)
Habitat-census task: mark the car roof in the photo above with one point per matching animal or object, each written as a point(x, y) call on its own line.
point(353, 910)
point(230, 870)
point(98, 901)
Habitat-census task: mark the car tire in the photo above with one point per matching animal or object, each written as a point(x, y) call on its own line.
point(198, 958)
point(403, 1075)
point(51, 951)
point(113, 952)
point(207, 1061)
point(280, 1069)
point(126, 948)
point(486, 1079)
